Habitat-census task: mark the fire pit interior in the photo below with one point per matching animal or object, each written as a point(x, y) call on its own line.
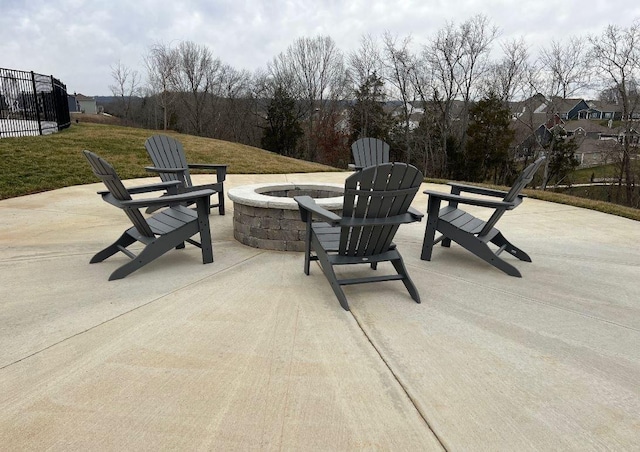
point(266, 215)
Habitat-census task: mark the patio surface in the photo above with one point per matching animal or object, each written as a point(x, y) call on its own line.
point(249, 353)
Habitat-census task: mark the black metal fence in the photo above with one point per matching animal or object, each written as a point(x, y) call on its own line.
point(31, 104)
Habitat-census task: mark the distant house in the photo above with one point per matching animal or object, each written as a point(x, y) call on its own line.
point(568, 109)
point(528, 140)
point(604, 110)
point(82, 104)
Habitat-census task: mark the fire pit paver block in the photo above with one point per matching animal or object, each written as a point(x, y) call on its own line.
point(266, 216)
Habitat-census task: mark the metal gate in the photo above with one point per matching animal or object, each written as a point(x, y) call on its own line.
point(31, 104)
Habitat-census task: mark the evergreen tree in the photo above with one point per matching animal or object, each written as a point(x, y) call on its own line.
point(367, 116)
point(561, 158)
point(489, 140)
point(283, 130)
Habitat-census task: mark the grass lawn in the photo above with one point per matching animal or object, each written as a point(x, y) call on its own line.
point(36, 164)
point(41, 163)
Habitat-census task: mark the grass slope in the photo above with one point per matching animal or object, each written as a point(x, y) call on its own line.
point(36, 164)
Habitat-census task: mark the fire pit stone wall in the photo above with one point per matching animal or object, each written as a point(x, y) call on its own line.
point(266, 216)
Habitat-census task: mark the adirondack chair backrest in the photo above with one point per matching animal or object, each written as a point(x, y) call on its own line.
point(523, 180)
point(376, 192)
point(166, 152)
point(110, 178)
point(369, 152)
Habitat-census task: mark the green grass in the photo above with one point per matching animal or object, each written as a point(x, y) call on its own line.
point(600, 206)
point(562, 198)
point(583, 175)
point(36, 164)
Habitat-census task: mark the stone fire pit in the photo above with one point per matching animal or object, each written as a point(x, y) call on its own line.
point(266, 215)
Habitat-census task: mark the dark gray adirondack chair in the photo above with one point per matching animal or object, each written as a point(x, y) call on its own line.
point(165, 230)
point(369, 152)
point(170, 163)
point(470, 232)
point(376, 202)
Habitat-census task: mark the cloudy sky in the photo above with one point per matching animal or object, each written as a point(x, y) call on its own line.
point(78, 40)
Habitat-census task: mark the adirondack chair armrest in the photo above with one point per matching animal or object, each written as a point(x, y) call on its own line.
point(168, 200)
point(153, 169)
point(149, 188)
point(459, 188)
point(221, 170)
point(415, 213)
point(470, 201)
point(308, 208)
point(383, 221)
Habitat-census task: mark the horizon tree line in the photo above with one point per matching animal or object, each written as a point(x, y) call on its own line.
point(451, 94)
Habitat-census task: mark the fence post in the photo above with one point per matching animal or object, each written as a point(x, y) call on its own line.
point(35, 97)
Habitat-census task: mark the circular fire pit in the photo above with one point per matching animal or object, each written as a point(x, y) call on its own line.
point(266, 215)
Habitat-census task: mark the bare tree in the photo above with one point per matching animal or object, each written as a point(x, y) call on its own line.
point(364, 62)
point(508, 76)
point(126, 85)
point(442, 57)
point(367, 87)
point(197, 69)
point(566, 67)
point(313, 70)
point(400, 66)
point(231, 116)
point(476, 37)
point(616, 54)
point(162, 63)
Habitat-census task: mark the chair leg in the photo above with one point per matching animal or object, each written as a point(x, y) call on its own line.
point(202, 206)
point(307, 249)
point(124, 241)
point(398, 264)
point(152, 251)
point(148, 254)
point(509, 247)
point(485, 253)
point(433, 210)
point(335, 285)
point(221, 202)
point(427, 242)
point(330, 274)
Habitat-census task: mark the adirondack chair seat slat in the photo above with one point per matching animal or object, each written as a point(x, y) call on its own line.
point(170, 163)
point(178, 214)
point(167, 221)
point(377, 201)
point(464, 221)
point(167, 229)
point(473, 233)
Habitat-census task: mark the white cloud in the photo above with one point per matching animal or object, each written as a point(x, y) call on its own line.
point(78, 40)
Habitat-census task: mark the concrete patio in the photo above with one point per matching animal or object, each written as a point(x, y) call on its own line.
point(249, 353)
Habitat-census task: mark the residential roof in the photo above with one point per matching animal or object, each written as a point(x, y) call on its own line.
point(81, 97)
